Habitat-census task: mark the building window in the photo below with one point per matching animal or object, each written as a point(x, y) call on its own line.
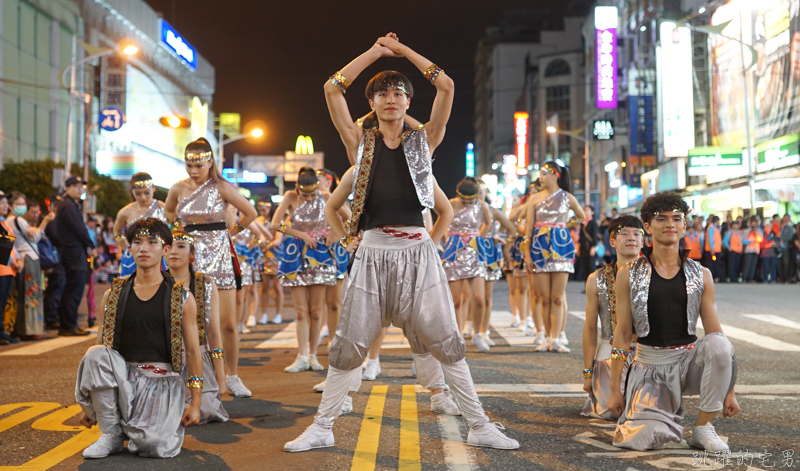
point(556, 68)
point(557, 102)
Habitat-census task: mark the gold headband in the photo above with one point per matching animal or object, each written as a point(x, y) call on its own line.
point(466, 197)
point(398, 85)
point(616, 231)
point(309, 188)
point(676, 210)
point(147, 233)
point(183, 237)
point(198, 157)
point(142, 184)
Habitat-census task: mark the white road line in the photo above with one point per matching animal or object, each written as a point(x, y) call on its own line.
point(757, 339)
point(551, 389)
point(579, 314)
point(45, 346)
point(773, 319)
point(456, 455)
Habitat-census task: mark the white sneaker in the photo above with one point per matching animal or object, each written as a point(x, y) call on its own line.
point(263, 320)
point(315, 364)
point(300, 364)
point(515, 323)
point(532, 333)
point(324, 333)
point(490, 436)
point(479, 342)
point(347, 407)
point(544, 346)
point(488, 340)
point(321, 386)
point(563, 338)
point(539, 339)
point(251, 321)
point(315, 436)
point(441, 404)
point(529, 323)
point(372, 370)
point(236, 386)
point(277, 319)
point(705, 436)
point(245, 330)
point(106, 445)
point(558, 347)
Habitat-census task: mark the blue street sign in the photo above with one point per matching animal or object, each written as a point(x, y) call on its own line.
point(111, 118)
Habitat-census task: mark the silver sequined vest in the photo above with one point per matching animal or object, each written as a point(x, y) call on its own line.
point(640, 273)
point(604, 305)
point(418, 157)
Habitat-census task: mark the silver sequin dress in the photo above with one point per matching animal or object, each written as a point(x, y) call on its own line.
point(461, 258)
point(309, 217)
point(213, 257)
point(552, 248)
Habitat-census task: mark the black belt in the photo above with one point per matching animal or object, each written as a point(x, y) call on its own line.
point(214, 226)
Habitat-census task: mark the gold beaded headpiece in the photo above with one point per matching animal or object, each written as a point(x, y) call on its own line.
point(467, 197)
point(198, 157)
point(147, 233)
point(676, 210)
point(398, 85)
point(308, 188)
point(614, 233)
point(550, 168)
point(183, 238)
point(141, 185)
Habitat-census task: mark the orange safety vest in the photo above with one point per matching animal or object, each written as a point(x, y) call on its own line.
point(717, 242)
point(693, 244)
point(736, 242)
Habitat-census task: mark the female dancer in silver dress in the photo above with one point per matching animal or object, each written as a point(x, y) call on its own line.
point(463, 259)
point(493, 243)
point(306, 266)
point(144, 205)
point(180, 259)
point(198, 204)
point(549, 249)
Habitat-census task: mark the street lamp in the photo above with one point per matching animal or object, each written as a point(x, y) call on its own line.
point(717, 30)
point(254, 130)
point(585, 140)
point(94, 53)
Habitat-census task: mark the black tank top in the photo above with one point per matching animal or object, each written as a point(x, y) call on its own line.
point(144, 329)
point(391, 197)
point(666, 309)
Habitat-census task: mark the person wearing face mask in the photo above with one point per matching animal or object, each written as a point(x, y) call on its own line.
point(143, 205)
point(204, 291)
point(29, 324)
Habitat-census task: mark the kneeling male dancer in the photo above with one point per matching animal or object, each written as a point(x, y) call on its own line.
point(130, 383)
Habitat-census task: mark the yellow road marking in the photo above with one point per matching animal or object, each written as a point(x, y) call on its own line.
point(366, 452)
point(51, 422)
point(409, 459)
point(34, 409)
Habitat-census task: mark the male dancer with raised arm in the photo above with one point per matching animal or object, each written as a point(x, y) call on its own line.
point(661, 295)
point(396, 275)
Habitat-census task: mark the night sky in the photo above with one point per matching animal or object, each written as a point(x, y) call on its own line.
point(273, 57)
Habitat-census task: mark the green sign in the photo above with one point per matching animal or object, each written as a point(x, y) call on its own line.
point(703, 160)
point(777, 153)
point(231, 123)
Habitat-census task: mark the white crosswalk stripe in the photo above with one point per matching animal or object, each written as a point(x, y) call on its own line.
point(44, 346)
point(776, 320)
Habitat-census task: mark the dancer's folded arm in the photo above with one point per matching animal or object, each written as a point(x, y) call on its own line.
point(708, 305)
point(336, 201)
point(444, 213)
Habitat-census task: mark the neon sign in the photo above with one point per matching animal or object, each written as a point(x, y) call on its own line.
point(521, 142)
point(304, 145)
point(470, 160)
point(175, 43)
point(605, 24)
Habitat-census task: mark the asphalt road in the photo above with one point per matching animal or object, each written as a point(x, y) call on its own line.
point(536, 396)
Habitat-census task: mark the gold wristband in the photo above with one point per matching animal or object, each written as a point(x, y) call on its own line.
point(432, 72)
point(341, 82)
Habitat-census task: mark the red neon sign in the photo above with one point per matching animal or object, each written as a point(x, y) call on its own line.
point(521, 134)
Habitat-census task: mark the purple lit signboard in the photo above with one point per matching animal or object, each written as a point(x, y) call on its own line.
point(606, 67)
